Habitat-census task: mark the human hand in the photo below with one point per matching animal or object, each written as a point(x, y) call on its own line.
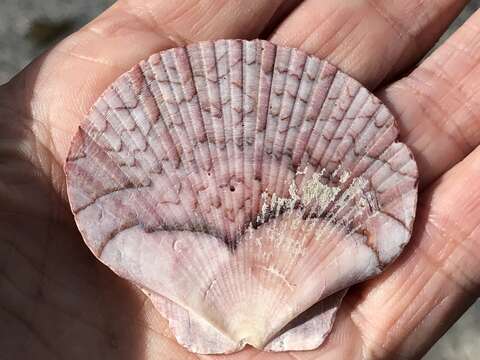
point(57, 301)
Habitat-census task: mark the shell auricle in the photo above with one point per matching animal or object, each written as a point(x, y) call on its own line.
point(244, 187)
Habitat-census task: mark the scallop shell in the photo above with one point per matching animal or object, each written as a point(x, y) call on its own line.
point(243, 187)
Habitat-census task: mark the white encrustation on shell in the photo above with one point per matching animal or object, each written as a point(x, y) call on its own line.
point(243, 187)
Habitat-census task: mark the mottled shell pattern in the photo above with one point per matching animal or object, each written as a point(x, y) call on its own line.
point(243, 186)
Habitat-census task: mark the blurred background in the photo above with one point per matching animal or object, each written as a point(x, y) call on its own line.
point(28, 27)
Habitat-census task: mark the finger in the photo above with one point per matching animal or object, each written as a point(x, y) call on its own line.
point(438, 104)
point(69, 78)
point(410, 306)
point(369, 39)
point(280, 15)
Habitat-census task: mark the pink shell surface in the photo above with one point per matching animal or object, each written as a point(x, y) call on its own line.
point(243, 187)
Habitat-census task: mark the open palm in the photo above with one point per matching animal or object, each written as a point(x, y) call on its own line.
point(58, 302)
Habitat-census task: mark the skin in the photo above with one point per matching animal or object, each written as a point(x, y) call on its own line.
point(58, 302)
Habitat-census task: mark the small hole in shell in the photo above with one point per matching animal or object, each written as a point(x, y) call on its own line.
point(232, 188)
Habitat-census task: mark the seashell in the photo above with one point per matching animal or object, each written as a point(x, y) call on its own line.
point(244, 187)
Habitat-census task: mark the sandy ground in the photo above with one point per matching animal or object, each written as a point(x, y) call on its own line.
point(27, 27)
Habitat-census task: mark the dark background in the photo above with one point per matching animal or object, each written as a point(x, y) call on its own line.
point(28, 27)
